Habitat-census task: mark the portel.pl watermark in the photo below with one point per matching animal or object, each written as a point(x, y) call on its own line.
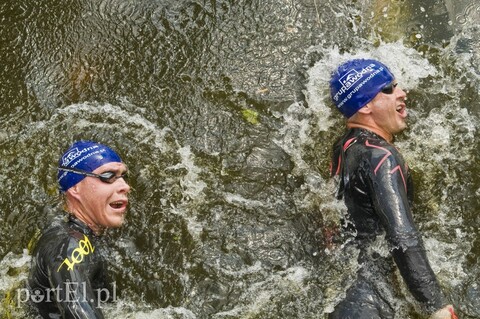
point(68, 292)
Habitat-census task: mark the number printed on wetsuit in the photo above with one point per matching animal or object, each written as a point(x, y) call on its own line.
point(84, 248)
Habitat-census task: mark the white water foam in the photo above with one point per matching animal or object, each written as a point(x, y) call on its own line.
point(13, 261)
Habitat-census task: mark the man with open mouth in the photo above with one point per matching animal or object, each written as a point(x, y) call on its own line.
point(375, 183)
point(68, 277)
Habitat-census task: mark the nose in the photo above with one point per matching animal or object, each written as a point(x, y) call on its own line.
point(401, 93)
point(123, 186)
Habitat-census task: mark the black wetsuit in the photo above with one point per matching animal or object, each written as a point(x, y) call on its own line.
point(68, 275)
point(378, 191)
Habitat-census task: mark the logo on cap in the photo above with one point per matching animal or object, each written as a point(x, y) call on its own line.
point(352, 77)
point(75, 153)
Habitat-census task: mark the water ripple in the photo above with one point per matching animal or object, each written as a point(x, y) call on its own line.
point(471, 14)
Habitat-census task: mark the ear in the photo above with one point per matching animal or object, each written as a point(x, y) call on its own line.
point(74, 191)
point(367, 109)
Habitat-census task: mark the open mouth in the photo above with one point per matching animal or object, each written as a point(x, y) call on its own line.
point(119, 204)
point(401, 110)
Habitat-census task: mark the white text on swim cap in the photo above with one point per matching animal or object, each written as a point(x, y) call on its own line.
point(73, 154)
point(358, 87)
point(352, 77)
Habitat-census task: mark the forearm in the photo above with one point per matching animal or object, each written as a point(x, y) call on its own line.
point(419, 277)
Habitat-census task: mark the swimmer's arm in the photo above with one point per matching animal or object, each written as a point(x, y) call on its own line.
point(74, 295)
point(389, 183)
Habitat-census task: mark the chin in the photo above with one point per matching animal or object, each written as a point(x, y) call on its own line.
point(116, 223)
point(119, 224)
point(401, 127)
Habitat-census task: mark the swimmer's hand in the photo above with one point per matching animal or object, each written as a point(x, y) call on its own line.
point(446, 312)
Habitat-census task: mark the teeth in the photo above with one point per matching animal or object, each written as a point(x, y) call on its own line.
point(117, 204)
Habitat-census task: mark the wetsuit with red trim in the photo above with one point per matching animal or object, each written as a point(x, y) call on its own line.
point(68, 273)
point(377, 189)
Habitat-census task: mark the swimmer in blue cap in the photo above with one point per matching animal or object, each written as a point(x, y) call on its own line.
point(68, 274)
point(376, 185)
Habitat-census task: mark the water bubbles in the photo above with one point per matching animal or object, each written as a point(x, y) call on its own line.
point(14, 272)
point(192, 185)
point(470, 13)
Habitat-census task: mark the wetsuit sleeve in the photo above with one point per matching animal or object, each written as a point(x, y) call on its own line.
point(69, 274)
point(389, 188)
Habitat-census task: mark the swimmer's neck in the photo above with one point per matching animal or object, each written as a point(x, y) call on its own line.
point(382, 133)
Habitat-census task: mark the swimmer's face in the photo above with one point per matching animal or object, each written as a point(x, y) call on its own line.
point(388, 110)
point(101, 204)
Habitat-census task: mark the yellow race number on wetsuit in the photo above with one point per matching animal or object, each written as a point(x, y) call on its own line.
point(84, 248)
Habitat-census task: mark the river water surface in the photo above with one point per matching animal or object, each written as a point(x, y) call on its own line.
point(221, 111)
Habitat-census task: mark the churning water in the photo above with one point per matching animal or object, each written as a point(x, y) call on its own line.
point(221, 111)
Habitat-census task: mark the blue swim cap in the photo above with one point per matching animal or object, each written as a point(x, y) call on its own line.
point(83, 155)
point(357, 82)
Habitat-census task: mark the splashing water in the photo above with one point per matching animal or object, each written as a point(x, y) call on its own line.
point(233, 216)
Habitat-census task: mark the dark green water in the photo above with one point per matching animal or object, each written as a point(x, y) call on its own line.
point(221, 111)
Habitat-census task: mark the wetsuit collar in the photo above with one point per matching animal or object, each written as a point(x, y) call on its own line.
point(385, 135)
point(77, 223)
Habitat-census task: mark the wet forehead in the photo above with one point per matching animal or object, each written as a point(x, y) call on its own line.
point(113, 166)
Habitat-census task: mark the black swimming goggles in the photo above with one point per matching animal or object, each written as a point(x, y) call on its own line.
point(389, 88)
point(106, 177)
